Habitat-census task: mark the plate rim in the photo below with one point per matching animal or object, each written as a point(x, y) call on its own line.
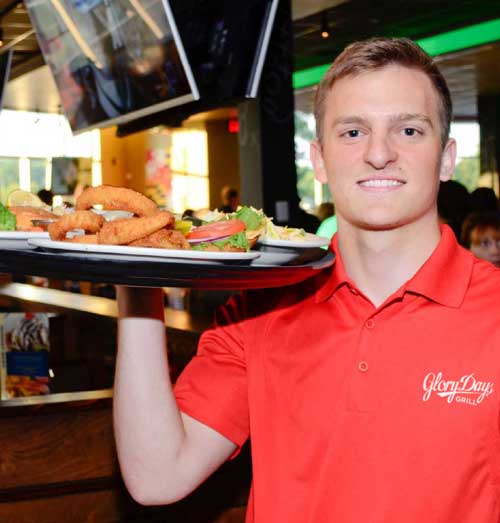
point(24, 235)
point(148, 252)
point(322, 241)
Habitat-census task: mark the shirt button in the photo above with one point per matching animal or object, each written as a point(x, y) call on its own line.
point(370, 323)
point(363, 366)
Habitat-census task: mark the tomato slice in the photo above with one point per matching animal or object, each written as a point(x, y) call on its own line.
point(215, 230)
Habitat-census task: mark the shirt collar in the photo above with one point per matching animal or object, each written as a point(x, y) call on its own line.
point(443, 278)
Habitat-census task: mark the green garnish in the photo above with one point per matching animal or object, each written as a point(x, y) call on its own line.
point(7, 219)
point(253, 219)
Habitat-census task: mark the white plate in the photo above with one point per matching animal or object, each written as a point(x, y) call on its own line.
point(142, 251)
point(22, 235)
point(310, 240)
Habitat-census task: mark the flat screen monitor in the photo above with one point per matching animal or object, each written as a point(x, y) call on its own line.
point(226, 42)
point(112, 60)
point(5, 64)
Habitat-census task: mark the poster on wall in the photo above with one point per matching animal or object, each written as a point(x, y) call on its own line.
point(25, 354)
point(158, 171)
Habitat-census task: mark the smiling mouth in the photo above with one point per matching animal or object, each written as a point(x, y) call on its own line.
point(381, 183)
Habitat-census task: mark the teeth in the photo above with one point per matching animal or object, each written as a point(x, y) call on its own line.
point(380, 183)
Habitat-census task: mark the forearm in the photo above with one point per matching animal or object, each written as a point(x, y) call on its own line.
point(148, 427)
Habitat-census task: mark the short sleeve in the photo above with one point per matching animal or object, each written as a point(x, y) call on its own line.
point(213, 387)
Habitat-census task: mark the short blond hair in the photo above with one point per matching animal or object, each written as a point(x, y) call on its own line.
point(374, 54)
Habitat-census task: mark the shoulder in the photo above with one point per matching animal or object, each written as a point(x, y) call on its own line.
point(484, 273)
point(484, 286)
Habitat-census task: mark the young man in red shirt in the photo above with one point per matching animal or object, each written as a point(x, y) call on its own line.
point(369, 392)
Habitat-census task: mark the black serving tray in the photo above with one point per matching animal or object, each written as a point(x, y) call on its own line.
point(276, 267)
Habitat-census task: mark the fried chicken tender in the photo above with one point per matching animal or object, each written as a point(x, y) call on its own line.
point(163, 239)
point(87, 220)
point(24, 215)
point(116, 199)
point(84, 238)
point(127, 230)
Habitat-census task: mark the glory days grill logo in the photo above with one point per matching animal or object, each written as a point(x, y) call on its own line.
point(467, 389)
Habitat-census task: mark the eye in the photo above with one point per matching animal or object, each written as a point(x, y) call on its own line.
point(352, 133)
point(410, 131)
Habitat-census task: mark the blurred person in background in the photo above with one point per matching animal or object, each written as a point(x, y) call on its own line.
point(481, 235)
point(46, 196)
point(453, 205)
point(230, 199)
point(328, 225)
point(483, 199)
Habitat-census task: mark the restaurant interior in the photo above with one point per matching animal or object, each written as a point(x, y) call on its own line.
point(58, 461)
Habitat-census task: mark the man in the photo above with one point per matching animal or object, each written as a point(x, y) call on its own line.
point(369, 392)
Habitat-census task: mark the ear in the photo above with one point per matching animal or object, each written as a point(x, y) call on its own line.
point(316, 154)
point(448, 158)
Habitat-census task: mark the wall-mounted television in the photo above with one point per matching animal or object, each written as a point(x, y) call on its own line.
point(112, 60)
point(5, 65)
point(226, 42)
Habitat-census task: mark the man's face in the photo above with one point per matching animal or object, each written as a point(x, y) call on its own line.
point(381, 154)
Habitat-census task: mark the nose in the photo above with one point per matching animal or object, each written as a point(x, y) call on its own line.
point(379, 151)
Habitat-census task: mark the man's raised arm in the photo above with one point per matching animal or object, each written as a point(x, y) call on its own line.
point(163, 454)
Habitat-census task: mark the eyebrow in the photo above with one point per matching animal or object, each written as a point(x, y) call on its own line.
point(402, 117)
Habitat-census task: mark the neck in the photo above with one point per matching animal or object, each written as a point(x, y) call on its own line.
point(380, 262)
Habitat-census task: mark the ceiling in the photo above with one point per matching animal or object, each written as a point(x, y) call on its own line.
point(468, 73)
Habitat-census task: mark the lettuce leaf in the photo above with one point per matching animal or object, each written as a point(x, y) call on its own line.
point(7, 219)
point(253, 219)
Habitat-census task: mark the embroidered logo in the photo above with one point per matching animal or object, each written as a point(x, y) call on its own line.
point(467, 389)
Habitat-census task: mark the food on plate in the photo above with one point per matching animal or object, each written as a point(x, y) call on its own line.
point(83, 238)
point(21, 198)
point(84, 220)
point(7, 219)
point(126, 230)
point(26, 214)
point(224, 235)
point(116, 199)
point(144, 226)
point(163, 239)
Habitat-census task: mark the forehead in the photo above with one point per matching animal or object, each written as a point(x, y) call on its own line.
point(389, 90)
point(481, 232)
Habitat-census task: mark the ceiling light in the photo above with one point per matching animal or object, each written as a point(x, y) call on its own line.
point(325, 29)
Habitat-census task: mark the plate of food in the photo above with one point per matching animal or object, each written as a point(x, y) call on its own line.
point(143, 230)
point(150, 252)
point(22, 220)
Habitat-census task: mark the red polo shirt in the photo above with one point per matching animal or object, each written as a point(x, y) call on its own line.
point(360, 414)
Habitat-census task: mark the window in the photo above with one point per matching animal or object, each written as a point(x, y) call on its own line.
point(29, 141)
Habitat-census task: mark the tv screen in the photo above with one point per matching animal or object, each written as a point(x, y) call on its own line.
point(112, 60)
point(5, 63)
point(226, 43)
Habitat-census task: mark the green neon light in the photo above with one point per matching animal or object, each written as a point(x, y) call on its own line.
point(463, 38)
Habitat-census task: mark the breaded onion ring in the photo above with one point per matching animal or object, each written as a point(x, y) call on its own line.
point(116, 199)
point(127, 230)
point(87, 220)
point(163, 239)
